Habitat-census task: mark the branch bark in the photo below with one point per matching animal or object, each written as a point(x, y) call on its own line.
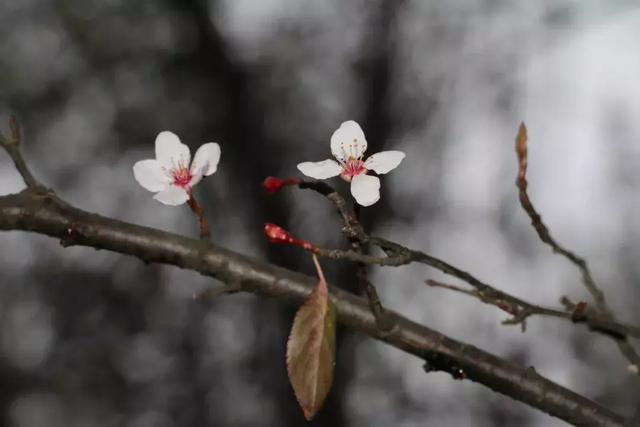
point(44, 213)
point(397, 255)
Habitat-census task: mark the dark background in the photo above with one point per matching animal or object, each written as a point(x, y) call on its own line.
point(90, 338)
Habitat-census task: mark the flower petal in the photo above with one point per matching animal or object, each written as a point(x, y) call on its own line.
point(384, 161)
point(320, 170)
point(196, 176)
point(365, 189)
point(170, 152)
point(149, 175)
point(172, 196)
point(206, 158)
point(348, 141)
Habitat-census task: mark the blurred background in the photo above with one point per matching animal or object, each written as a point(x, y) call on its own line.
point(91, 338)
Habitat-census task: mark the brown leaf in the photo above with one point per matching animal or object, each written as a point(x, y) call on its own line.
point(311, 348)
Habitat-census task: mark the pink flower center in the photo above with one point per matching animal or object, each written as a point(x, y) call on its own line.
point(181, 175)
point(352, 167)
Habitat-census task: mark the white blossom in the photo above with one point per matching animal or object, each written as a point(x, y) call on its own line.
point(348, 145)
point(172, 174)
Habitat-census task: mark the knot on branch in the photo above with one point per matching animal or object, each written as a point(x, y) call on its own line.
point(434, 362)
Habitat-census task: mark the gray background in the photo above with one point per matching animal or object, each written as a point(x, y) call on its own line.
point(90, 338)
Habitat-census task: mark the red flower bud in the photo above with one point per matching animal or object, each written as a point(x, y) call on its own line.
point(279, 235)
point(273, 184)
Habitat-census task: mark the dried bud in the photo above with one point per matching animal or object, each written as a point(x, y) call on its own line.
point(521, 151)
point(273, 184)
point(279, 235)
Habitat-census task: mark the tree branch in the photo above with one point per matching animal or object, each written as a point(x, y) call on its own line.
point(521, 311)
point(627, 350)
point(397, 255)
point(45, 213)
point(365, 286)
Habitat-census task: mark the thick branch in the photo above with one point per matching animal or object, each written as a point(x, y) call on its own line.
point(44, 213)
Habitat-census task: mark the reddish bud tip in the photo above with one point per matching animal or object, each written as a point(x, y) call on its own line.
point(277, 234)
point(273, 184)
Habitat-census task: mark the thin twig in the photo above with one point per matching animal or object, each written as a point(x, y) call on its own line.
point(353, 256)
point(543, 231)
point(398, 255)
point(519, 312)
point(353, 229)
point(545, 236)
point(351, 226)
point(12, 147)
point(522, 310)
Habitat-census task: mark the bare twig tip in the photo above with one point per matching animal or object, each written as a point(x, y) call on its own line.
point(577, 311)
point(521, 150)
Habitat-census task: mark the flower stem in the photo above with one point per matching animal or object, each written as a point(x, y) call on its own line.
point(199, 212)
